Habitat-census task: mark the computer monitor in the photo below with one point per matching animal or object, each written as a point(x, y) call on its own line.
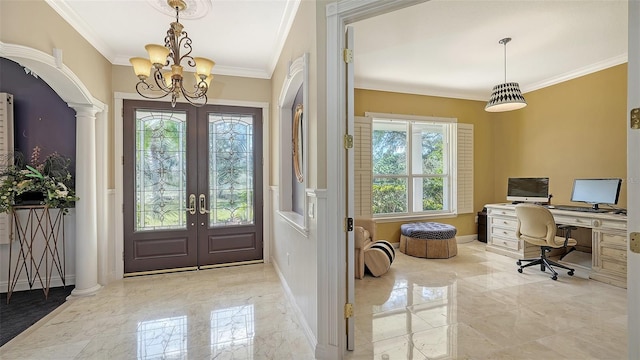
point(596, 191)
point(528, 189)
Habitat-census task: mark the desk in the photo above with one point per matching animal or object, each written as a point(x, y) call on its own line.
point(39, 235)
point(608, 239)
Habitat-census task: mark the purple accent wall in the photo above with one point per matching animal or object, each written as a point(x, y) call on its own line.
point(298, 189)
point(41, 117)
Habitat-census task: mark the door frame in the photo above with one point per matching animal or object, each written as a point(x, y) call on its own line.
point(118, 220)
point(332, 293)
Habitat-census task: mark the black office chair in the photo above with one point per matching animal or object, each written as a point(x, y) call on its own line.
point(537, 227)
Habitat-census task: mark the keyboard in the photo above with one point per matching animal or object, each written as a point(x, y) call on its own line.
point(581, 209)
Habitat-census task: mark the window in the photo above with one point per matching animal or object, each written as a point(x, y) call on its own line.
point(414, 166)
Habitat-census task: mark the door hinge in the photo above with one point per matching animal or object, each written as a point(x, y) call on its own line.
point(348, 141)
point(349, 224)
point(348, 310)
point(347, 55)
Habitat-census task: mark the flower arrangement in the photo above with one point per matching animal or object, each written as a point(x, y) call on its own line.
point(50, 180)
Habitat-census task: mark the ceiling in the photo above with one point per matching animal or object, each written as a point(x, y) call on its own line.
point(441, 47)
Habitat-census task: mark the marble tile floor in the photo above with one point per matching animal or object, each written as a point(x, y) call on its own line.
point(472, 306)
point(477, 306)
point(226, 313)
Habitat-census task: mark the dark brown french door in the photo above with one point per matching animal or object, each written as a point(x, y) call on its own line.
point(192, 185)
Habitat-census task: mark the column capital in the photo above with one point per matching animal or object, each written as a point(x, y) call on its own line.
point(85, 110)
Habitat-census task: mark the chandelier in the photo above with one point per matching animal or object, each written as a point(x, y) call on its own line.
point(172, 82)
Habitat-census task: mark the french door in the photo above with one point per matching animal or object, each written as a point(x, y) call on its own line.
point(192, 186)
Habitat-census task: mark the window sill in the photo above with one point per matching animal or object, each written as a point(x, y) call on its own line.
point(295, 220)
point(398, 218)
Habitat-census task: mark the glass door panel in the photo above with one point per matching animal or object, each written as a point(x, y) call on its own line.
point(231, 169)
point(161, 170)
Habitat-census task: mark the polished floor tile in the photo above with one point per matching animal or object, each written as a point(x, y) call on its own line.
point(472, 306)
point(227, 313)
point(477, 306)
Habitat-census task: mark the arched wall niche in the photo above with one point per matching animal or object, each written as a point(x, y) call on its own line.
point(91, 222)
point(297, 80)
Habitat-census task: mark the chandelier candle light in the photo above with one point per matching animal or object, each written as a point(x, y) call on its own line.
point(506, 96)
point(172, 82)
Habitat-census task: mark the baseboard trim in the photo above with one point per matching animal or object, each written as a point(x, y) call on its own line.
point(308, 333)
point(464, 239)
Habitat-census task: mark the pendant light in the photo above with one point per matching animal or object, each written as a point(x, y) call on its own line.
point(505, 96)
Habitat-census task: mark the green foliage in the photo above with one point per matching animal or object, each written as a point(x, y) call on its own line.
point(51, 178)
point(390, 157)
point(389, 196)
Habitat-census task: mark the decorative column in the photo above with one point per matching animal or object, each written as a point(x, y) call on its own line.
point(86, 208)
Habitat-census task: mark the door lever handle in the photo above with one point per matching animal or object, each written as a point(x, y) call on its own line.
point(203, 204)
point(192, 204)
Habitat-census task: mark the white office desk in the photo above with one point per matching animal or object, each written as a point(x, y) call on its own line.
point(608, 235)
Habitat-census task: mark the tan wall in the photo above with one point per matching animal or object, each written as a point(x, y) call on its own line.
point(35, 24)
point(466, 111)
point(576, 129)
point(301, 40)
point(222, 87)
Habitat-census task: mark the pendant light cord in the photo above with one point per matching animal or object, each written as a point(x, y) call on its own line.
point(505, 61)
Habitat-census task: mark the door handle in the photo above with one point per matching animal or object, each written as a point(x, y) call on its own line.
point(203, 204)
point(192, 204)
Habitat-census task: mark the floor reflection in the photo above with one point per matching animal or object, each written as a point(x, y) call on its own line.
point(162, 338)
point(477, 306)
point(232, 333)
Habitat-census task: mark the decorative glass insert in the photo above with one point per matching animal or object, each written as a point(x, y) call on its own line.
point(161, 170)
point(163, 338)
point(231, 164)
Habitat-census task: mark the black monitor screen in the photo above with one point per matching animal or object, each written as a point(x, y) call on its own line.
point(596, 191)
point(528, 189)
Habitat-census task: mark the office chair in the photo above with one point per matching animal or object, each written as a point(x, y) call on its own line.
point(537, 227)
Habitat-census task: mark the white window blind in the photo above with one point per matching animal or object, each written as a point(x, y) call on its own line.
point(465, 168)
point(6, 148)
point(362, 166)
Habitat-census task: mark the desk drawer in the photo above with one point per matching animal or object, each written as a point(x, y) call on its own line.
point(501, 212)
point(615, 254)
point(570, 220)
point(511, 244)
point(506, 223)
point(608, 239)
point(614, 266)
point(503, 232)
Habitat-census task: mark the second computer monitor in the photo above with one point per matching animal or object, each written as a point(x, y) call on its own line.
point(596, 191)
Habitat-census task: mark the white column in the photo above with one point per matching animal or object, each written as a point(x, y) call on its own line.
point(86, 209)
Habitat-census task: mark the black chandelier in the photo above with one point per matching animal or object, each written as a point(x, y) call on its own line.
point(172, 82)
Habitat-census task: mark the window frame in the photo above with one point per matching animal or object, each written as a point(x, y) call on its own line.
point(449, 172)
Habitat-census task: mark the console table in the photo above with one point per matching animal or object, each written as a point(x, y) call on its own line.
point(39, 234)
point(608, 239)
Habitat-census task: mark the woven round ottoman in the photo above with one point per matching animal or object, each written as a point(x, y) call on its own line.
point(429, 240)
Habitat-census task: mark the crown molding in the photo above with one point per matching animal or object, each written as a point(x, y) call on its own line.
point(70, 16)
point(290, 11)
point(586, 70)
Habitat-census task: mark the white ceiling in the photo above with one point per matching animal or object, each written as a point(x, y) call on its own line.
point(442, 47)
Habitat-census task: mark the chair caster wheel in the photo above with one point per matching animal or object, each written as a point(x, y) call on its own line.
point(520, 271)
point(518, 263)
point(570, 273)
point(554, 277)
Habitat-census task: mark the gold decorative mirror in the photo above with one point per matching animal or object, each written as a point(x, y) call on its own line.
point(298, 141)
